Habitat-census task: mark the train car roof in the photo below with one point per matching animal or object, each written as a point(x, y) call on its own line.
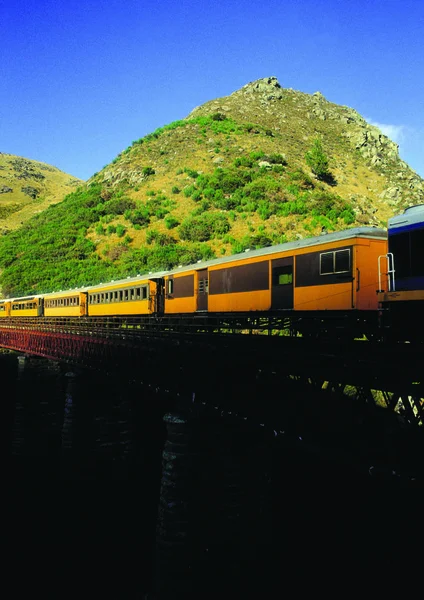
point(411, 218)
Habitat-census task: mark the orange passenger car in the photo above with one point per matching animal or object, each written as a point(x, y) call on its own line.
point(335, 271)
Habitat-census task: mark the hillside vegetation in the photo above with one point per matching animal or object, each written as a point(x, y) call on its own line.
point(28, 187)
point(262, 166)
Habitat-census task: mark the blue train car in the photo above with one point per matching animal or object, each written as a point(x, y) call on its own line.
point(402, 303)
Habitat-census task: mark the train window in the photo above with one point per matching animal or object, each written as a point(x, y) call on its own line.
point(342, 261)
point(337, 261)
point(170, 286)
point(144, 292)
point(327, 263)
point(125, 295)
point(282, 275)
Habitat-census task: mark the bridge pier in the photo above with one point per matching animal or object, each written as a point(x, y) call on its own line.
point(214, 523)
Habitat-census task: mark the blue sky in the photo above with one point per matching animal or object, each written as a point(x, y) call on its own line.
point(81, 79)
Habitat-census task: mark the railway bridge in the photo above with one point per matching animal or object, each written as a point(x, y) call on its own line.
point(248, 406)
point(213, 358)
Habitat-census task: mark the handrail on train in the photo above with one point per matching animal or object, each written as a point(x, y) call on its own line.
point(390, 266)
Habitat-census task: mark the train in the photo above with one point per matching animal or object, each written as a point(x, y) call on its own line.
point(363, 281)
point(401, 303)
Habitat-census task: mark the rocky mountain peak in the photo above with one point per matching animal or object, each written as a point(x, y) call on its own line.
point(268, 86)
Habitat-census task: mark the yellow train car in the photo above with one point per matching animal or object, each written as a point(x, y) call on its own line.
point(72, 303)
point(336, 271)
point(28, 306)
point(139, 295)
point(4, 308)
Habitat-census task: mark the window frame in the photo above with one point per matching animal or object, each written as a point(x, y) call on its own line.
point(334, 254)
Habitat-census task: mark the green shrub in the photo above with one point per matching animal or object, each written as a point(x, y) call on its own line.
point(302, 179)
point(348, 216)
point(191, 173)
point(257, 155)
point(171, 222)
point(116, 206)
point(276, 159)
point(244, 161)
point(317, 160)
point(188, 190)
point(160, 212)
point(202, 207)
point(203, 227)
point(161, 239)
point(140, 216)
point(218, 117)
point(148, 171)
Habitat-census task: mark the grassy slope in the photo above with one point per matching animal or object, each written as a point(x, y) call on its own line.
point(48, 184)
point(119, 224)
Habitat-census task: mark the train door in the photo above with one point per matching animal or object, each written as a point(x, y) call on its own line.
point(282, 283)
point(40, 307)
point(159, 296)
point(202, 289)
point(83, 304)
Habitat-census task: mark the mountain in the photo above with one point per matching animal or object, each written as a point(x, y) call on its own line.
point(28, 187)
point(259, 167)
